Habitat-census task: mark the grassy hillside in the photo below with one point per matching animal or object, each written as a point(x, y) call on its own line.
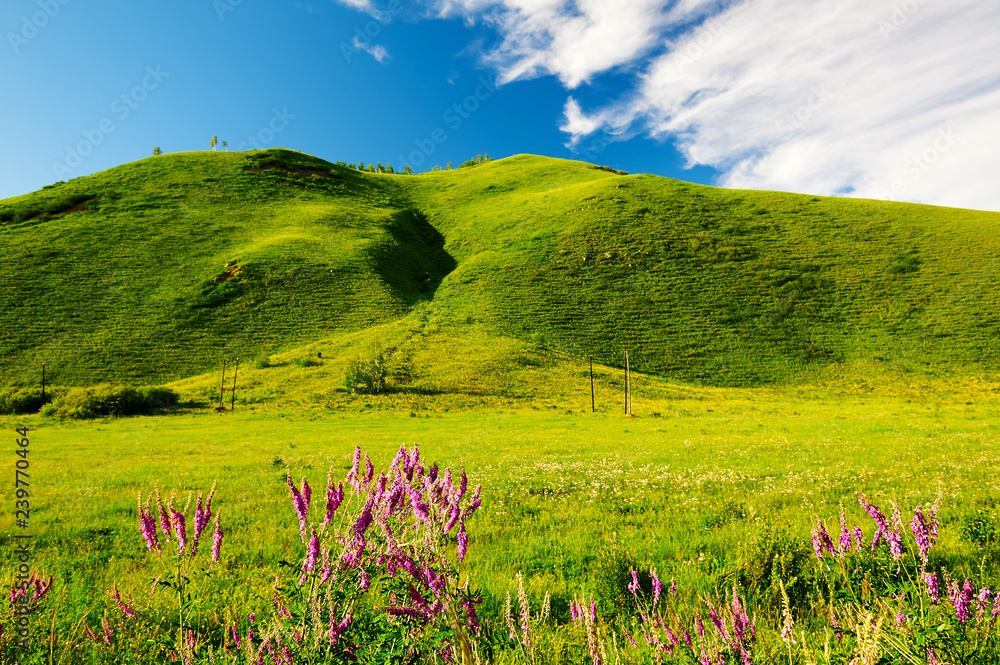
point(157, 270)
point(720, 286)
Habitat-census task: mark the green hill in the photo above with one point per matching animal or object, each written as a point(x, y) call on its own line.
point(156, 270)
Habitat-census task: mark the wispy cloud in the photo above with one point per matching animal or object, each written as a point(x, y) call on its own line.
point(871, 98)
point(377, 51)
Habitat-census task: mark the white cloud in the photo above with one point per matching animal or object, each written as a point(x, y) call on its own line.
point(846, 99)
point(826, 98)
point(360, 5)
point(377, 51)
point(571, 40)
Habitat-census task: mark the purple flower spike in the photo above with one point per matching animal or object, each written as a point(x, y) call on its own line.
point(164, 515)
point(844, 542)
point(634, 586)
point(369, 470)
point(859, 536)
point(300, 502)
point(180, 530)
point(657, 586)
point(147, 527)
point(475, 503)
point(126, 610)
point(312, 553)
point(217, 540)
point(334, 497)
point(983, 603)
point(881, 524)
point(921, 532)
point(463, 541)
point(933, 588)
point(963, 601)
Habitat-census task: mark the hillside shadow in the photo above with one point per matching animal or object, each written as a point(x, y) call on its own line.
point(416, 262)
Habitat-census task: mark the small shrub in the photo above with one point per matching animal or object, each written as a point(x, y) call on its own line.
point(368, 376)
point(22, 401)
point(612, 575)
point(112, 400)
point(979, 528)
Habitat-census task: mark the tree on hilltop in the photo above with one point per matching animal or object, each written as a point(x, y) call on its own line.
point(215, 139)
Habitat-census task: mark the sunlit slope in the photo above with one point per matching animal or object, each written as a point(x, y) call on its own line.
point(720, 286)
point(158, 269)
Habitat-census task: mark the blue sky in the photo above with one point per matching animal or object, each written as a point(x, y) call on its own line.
point(884, 100)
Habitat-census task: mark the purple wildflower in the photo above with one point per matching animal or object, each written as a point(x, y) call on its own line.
point(859, 536)
point(282, 609)
point(881, 524)
point(352, 475)
point(217, 540)
point(364, 582)
point(334, 497)
point(983, 602)
point(901, 619)
point(895, 535)
point(657, 586)
point(474, 503)
point(312, 552)
point(593, 609)
point(699, 624)
point(844, 542)
point(921, 532)
point(673, 587)
point(164, 516)
point(634, 585)
point(932, 658)
point(300, 502)
point(963, 600)
point(147, 526)
point(420, 510)
point(199, 523)
point(180, 530)
point(364, 520)
point(126, 610)
point(720, 625)
point(369, 470)
point(463, 541)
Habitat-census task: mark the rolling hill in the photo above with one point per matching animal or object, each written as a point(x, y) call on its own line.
point(156, 270)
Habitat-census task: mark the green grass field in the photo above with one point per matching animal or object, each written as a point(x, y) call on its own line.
point(787, 353)
point(693, 491)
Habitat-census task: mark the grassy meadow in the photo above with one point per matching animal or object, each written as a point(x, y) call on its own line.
point(701, 487)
